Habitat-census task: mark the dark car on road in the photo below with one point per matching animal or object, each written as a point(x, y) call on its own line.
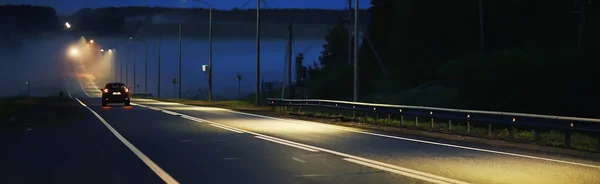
point(115, 93)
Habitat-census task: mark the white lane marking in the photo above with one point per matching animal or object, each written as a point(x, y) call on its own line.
point(417, 140)
point(395, 171)
point(287, 144)
point(298, 160)
point(310, 175)
point(425, 142)
point(171, 112)
point(159, 171)
point(316, 149)
point(86, 94)
point(69, 90)
point(215, 125)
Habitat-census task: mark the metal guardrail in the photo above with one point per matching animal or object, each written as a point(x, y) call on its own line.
point(142, 95)
point(535, 121)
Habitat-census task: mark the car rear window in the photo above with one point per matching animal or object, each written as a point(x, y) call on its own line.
point(115, 86)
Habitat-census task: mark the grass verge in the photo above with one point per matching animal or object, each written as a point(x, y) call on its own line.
point(17, 114)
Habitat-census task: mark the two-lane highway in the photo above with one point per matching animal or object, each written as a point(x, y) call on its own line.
point(189, 144)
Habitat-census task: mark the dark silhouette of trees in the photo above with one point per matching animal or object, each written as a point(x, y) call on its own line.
point(531, 61)
point(27, 19)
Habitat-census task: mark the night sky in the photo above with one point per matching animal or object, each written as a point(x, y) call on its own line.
point(70, 6)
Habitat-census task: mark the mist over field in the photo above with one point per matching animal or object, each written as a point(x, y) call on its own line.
point(39, 60)
point(36, 59)
point(229, 59)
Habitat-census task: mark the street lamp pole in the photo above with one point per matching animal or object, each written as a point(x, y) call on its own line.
point(28, 94)
point(210, 48)
point(356, 8)
point(481, 36)
point(158, 92)
point(180, 61)
point(146, 71)
point(210, 55)
point(134, 71)
point(257, 98)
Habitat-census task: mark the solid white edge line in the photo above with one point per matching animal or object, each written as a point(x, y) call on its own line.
point(395, 171)
point(316, 149)
point(425, 142)
point(287, 144)
point(225, 128)
point(159, 171)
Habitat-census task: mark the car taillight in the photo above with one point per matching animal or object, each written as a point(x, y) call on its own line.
point(126, 90)
point(105, 90)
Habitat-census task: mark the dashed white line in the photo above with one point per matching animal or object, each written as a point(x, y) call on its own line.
point(426, 142)
point(215, 125)
point(159, 171)
point(376, 164)
point(171, 112)
point(287, 144)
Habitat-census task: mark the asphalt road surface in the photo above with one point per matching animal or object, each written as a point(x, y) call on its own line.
point(161, 142)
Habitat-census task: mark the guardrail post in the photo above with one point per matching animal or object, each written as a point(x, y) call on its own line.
point(511, 132)
point(449, 125)
point(416, 121)
point(490, 130)
point(598, 138)
point(389, 119)
point(376, 117)
point(468, 126)
point(432, 123)
point(568, 138)
point(402, 122)
point(538, 135)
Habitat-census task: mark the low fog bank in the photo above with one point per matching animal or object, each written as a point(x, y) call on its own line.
point(230, 57)
point(36, 59)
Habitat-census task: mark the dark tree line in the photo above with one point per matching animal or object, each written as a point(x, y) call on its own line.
point(532, 59)
point(27, 19)
point(17, 21)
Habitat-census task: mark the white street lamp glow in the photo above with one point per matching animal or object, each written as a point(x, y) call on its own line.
point(101, 50)
point(73, 52)
point(91, 41)
point(67, 25)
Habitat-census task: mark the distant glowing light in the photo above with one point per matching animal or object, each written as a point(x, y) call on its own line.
point(73, 52)
point(101, 50)
point(67, 25)
point(91, 41)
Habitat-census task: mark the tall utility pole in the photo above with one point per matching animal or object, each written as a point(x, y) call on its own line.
point(158, 92)
point(146, 71)
point(113, 68)
point(257, 98)
point(122, 66)
point(355, 96)
point(127, 72)
point(134, 71)
point(349, 32)
point(179, 61)
point(580, 20)
point(210, 55)
point(481, 36)
point(210, 48)
point(289, 61)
